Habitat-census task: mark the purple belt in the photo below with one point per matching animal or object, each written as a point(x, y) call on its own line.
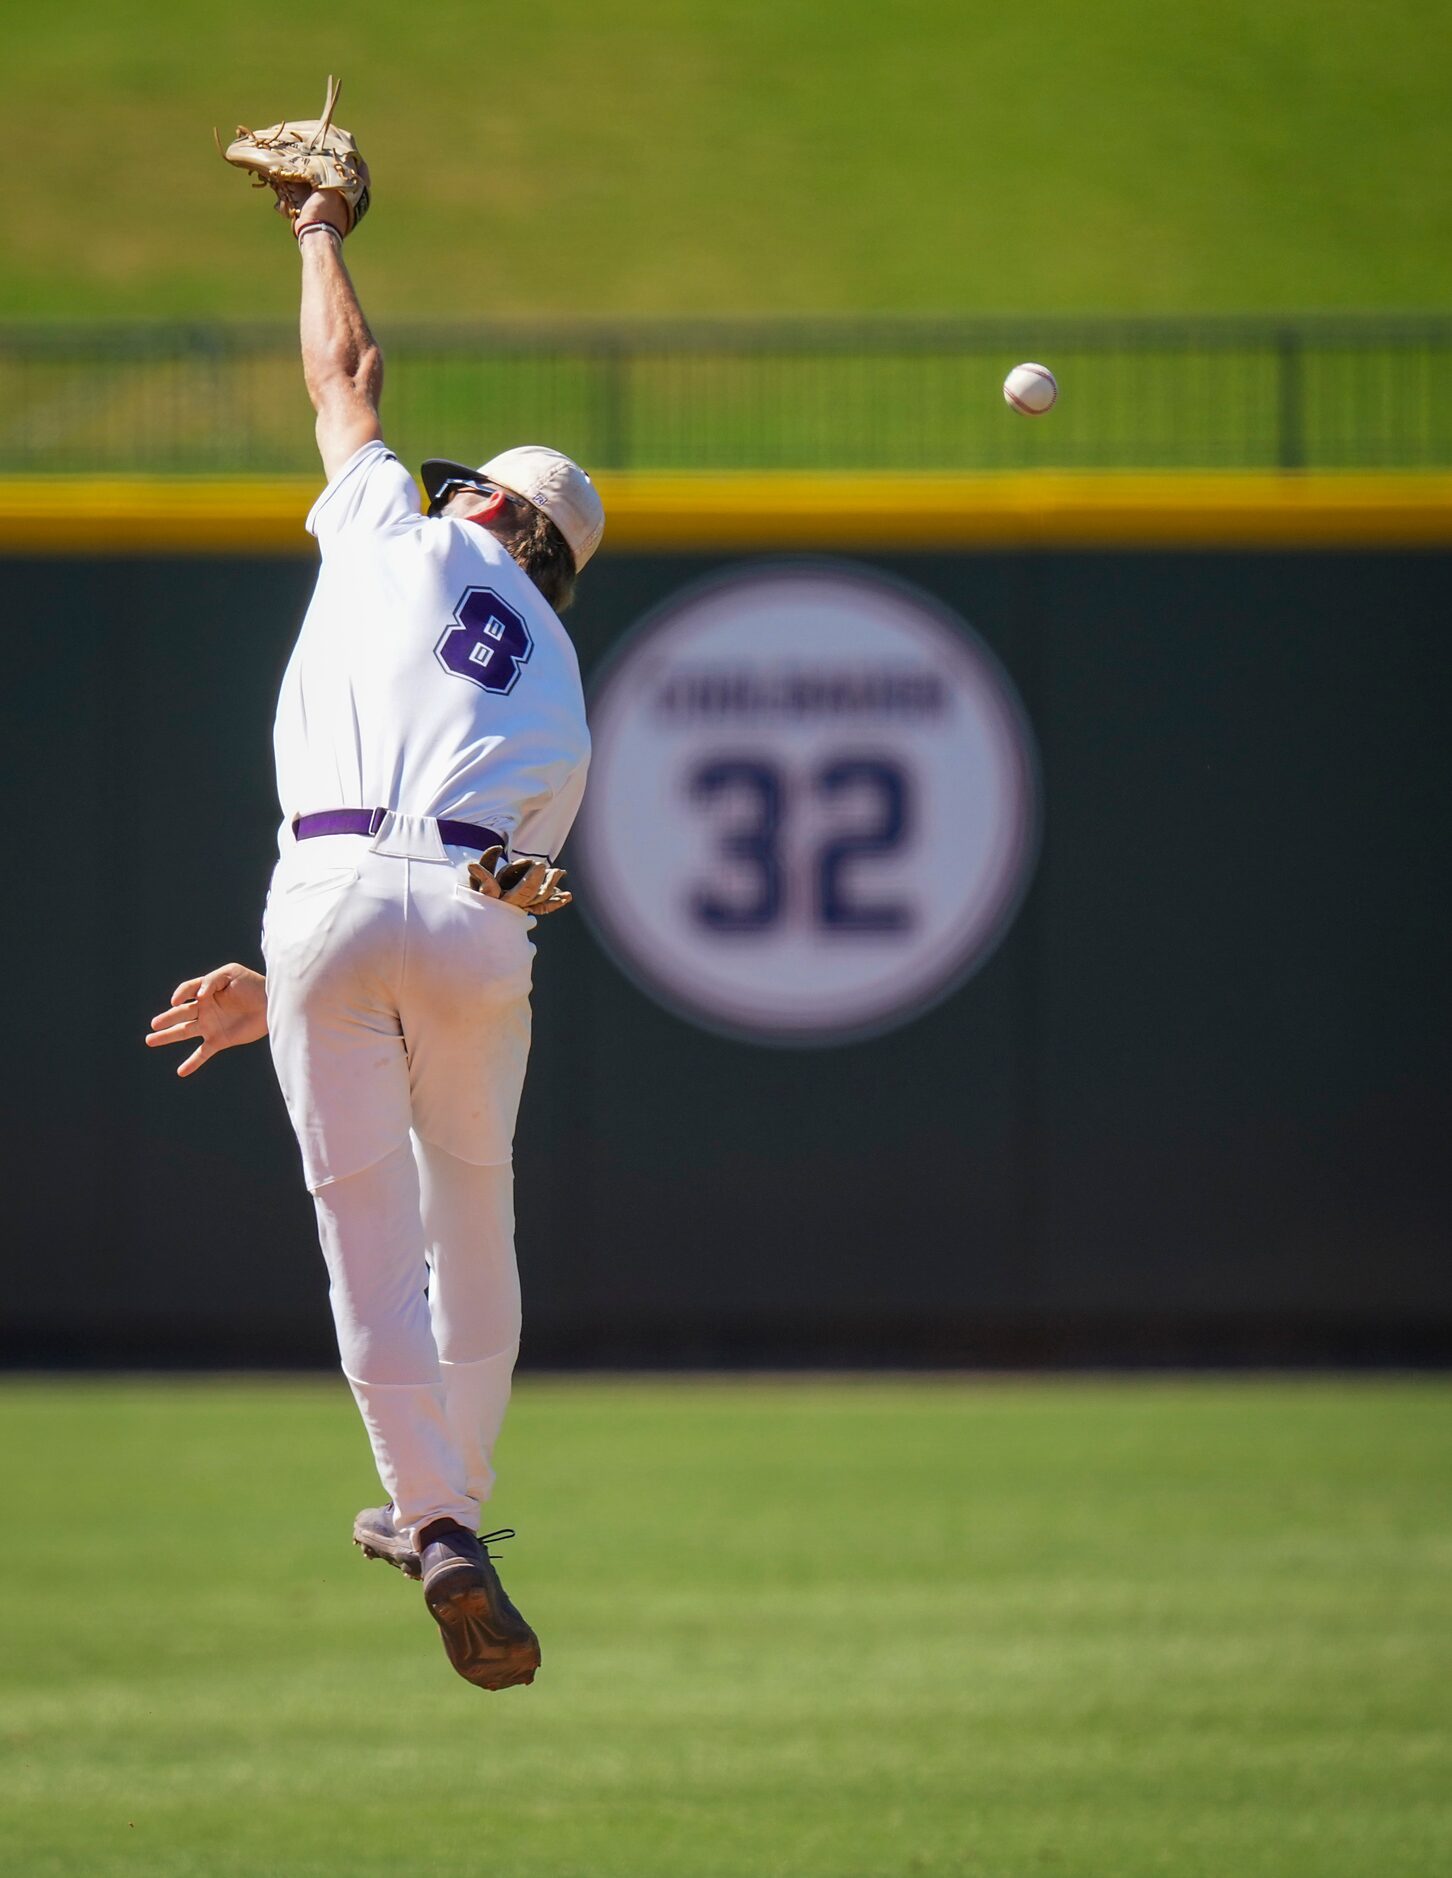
point(369, 821)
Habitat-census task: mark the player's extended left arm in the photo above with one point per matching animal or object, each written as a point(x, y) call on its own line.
point(342, 363)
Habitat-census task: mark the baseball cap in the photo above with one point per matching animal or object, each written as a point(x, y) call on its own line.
point(553, 482)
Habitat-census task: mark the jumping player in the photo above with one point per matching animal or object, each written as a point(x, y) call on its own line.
point(431, 717)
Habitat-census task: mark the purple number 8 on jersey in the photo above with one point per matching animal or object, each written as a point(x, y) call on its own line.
point(488, 643)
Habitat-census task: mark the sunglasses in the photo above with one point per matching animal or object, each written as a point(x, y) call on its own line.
point(447, 491)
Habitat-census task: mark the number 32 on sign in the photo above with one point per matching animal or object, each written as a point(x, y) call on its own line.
point(837, 790)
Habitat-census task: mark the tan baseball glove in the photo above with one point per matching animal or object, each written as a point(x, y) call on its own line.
point(294, 158)
point(530, 885)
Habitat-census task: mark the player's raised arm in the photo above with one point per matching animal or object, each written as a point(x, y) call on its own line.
point(322, 186)
point(342, 364)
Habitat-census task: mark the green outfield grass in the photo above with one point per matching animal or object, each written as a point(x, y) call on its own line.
point(762, 155)
point(839, 1629)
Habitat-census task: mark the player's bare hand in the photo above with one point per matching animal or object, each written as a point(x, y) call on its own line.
point(219, 1010)
point(533, 886)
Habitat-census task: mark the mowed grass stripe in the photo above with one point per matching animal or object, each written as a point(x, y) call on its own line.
point(750, 156)
point(843, 1629)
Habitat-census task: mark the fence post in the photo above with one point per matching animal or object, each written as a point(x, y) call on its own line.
point(1290, 425)
point(614, 443)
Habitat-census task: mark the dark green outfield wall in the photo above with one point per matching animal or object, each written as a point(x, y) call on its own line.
point(1193, 1108)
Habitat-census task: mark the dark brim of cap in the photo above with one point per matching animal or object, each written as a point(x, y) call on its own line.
point(438, 470)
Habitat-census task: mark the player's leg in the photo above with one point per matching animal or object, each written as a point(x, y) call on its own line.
point(334, 942)
point(371, 1225)
point(466, 1015)
point(372, 1240)
point(468, 1222)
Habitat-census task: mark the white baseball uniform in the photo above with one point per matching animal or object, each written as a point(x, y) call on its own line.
point(430, 680)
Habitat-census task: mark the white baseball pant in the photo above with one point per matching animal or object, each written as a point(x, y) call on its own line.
point(398, 1012)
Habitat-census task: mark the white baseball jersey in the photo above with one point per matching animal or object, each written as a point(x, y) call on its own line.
point(430, 675)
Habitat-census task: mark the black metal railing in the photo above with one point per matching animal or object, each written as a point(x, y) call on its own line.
point(1370, 391)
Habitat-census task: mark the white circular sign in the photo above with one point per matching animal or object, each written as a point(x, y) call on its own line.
point(812, 804)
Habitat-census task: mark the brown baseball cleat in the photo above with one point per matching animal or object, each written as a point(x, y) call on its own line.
point(485, 1638)
point(376, 1533)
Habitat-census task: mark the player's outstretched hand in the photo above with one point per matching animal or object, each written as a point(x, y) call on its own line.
point(529, 885)
point(222, 1008)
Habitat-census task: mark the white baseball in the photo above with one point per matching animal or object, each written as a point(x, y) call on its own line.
point(1031, 389)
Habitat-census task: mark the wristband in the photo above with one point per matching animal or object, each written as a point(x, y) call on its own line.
point(308, 227)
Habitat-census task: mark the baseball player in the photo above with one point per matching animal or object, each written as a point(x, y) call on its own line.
point(431, 750)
